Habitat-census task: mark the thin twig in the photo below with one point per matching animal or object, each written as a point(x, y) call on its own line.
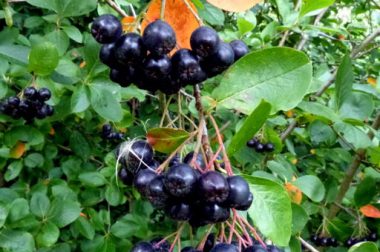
point(307, 245)
point(117, 8)
point(195, 14)
point(162, 12)
point(286, 34)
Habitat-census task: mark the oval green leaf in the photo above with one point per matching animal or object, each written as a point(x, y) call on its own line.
point(364, 247)
point(166, 140)
point(43, 58)
point(311, 186)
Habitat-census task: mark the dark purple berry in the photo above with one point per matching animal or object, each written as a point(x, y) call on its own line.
point(139, 155)
point(106, 29)
point(42, 112)
point(199, 161)
point(372, 236)
point(156, 193)
point(325, 241)
point(13, 101)
point(252, 143)
point(224, 247)
point(187, 68)
point(272, 248)
point(219, 61)
point(126, 176)
point(210, 243)
point(255, 248)
point(204, 41)
point(180, 180)
point(159, 37)
point(247, 204)
point(157, 67)
point(259, 148)
point(351, 241)
point(159, 245)
point(143, 179)
point(314, 239)
point(197, 219)
point(213, 187)
point(269, 147)
point(106, 129)
point(190, 249)
point(49, 110)
point(44, 94)
point(214, 213)
point(143, 247)
point(111, 136)
point(240, 49)
point(129, 49)
point(238, 192)
point(175, 160)
point(16, 114)
point(107, 55)
point(334, 242)
point(30, 93)
point(180, 211)
point(123, 77)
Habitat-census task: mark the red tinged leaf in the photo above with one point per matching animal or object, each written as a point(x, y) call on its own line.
point(370, 211)
point(18, 150)
point(166, 140)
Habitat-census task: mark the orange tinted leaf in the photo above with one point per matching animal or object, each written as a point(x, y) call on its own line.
point(52, 131)
point(294, 193)
point(166, 140)
point(370, 211)
point(178, 15)
point(18, 150)
point(128, 23)
point(234, 5)
point(372, 81)
point(82, 64)
point(289, 113)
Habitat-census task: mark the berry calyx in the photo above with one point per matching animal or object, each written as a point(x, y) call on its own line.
point(159, 37)
point(106, 29)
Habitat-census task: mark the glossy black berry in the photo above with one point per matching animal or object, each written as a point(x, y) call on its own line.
point(180, 180)
point(13, 101)
point(350, 242)
point(204, 41)
point(210, 242)
point(157, 67)
point(159, 245)
point(240, 49)
point(107, 55)
point(247, 204)
point(190, 249)
point(123, 77)
point(106, 29)
point(219, 61)
point(180, 211)
point(197, 219)
point(269, 147)
point(325, 242)
point(30, 93)
point(139, 155)
point(252, 143)
point(153, 165)
point(333, 242)
point(187, 68)
point(49, 110)
point(224, 247)
point(44, 94)
point(314, 238)
point(143, 247)
point(156, 193)
point(199, 161)
point(129, 49)
point(126, 176)
point(238, 192)
point(214, 213)
point(142, 180)
point(213, 187)
point(169, 85)
point(272, 248)
point(106, 129)
point(372, 237)
point(255, 248)
point(259, 148)
point(175, 160)
point(42, 112)
point(159, 37)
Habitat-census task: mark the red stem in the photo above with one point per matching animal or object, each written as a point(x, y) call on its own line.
point(243, 227)
point(237, 235)
point(257, 237)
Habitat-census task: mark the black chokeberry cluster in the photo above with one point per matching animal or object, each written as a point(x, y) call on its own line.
point(108, 134)
point(370, 237)
point(144, 60)
point(324, 241)
point(30, 107)
point(183, 192)
point(260, 147)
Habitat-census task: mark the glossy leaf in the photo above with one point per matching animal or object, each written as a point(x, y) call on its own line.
point(43, 58)
point(311, 186)
point(344, 81)
point(364, 247)
point(166, 140)
point(311, 5)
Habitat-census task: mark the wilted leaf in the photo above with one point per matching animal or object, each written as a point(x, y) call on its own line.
point(166, 140)
point(18, 150)
point(234, 5)
point(294, 192)
point(128, 23)
point(370, 211)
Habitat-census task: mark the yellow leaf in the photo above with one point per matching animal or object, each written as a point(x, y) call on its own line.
point(372, 81)
point(234, 5)
point(18, 150)
point(294, 192)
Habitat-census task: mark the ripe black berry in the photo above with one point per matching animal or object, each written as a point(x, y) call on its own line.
point(159, 245)
point(204, 41)
point(269, 147)
point(140, 154)
point(210, 242)
point(214, 213)
point(175, 160)
point(42, 112)
point(372, 237)
point(143, 247)
point(186, 67)
point(200, 163)
point(272, 248)
point(252, 143)
point(190, 249)
point(44, 94)
point(240, 49)
point(13, 101)
point(129, 49)
point(142, 181)
point(157, 67)
point(255, 248)
point(126, 176)
point(156, 193)
point(106, 129)
point(224, 247)
point(247, 204)
point(350, 242)
point(238, 192)
point(180, 211)
point(49, 110)
point(259, 148)
point(107, 56)
point(30, 93)
point(106, 29)
point(159, 37)
point(180, 180)
point(314, 238)
point(325, 242)
point(123, 77)
point(219, 61)
point(213, 187)
point(333, 242)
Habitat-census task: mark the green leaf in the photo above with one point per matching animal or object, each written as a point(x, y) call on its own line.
point(18, 209)
point(43, 58)
point(34, 160)
point(114, 195)
point(47, 235)
point(353, 135)
point(319, 110)
point(16, 241)
point(365, 191)
point(364, 247)
point(321, 133)
point(250, 127)
point(105, 104)
point(311, 186)
point(3, 214)
point(212, 15)
point(92, 179)
point(312, 5)
point(13, 170)
point(73, 33)
point(26, 134)
point(63, 212)
point(244, 26)
point(280, 76)
point(67, 8)
point(79, 100)
point(79, 145)
point(271, 209)
point(85, 228)
point(16, 53)
point(299, 219)
point(166, 140)
point(344, 81)
point(357, 106)
point(39, 204)
point(130, 225)
point(295, 244)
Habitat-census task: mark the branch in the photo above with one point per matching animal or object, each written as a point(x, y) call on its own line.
point(162, 11)
point(334, 209)
point(286, 34)
point(307, 245)
point(116, 8)
point(365, 43)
